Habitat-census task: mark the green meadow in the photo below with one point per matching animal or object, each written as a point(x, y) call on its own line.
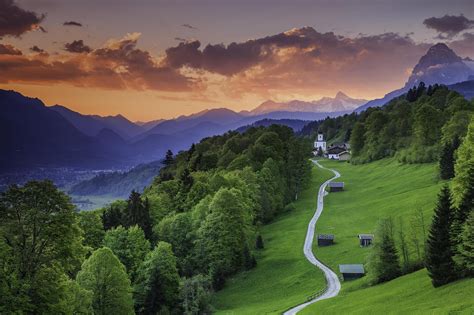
point(381, 189)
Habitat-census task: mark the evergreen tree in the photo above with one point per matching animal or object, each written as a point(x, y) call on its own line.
point(113, 216)
point(104, 275)
point(447, 159)
point(383, 261)
point(169, 159)
point(138, 213)
point(464, 165)
point(439, 255)
point(157, 287)
point(465, 207)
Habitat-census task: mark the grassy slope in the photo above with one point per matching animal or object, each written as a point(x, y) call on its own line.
point(410, 294)
point(283, 276)
point(381, 189)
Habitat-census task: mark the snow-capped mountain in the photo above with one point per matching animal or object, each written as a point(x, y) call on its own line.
point(341, 102)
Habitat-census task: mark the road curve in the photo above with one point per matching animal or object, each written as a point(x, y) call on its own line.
point(333, 284)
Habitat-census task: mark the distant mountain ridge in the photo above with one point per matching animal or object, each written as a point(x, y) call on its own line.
point(91, 125)
point(341, 102)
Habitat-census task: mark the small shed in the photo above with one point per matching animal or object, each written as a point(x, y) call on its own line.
point(365, 239)
point(344, 156)
point(336, 186)
point(350, 272)
point(325, 239)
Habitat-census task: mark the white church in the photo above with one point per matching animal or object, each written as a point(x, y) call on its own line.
point(320, 143)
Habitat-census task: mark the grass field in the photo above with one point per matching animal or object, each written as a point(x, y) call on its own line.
point(410, 294)
point(283, 276)
point(380, 189)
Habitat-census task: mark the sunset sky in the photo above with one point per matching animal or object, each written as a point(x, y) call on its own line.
point(159, 59)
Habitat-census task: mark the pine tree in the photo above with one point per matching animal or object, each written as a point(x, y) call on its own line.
point(383, 262)
point(138, 213)
point(169, 159)
point(439, 255)
point(446, 161)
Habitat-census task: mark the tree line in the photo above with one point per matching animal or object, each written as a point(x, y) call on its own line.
point(160, 252)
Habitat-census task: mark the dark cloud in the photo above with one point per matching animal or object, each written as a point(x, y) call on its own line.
point(77, 46)
point(6, 49)
point(14, 21)
point(449, 25)
point(72, 23)
point(305, 42)
point(189, 26)
point(36, 49)
point(117, 65)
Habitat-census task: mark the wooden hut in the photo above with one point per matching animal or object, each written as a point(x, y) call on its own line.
point(365, 239)
point(350, 272)
point(325, 239)
point(336, 186)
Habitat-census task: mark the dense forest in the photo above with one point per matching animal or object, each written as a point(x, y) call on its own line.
point(419, 126)
point(163, 251)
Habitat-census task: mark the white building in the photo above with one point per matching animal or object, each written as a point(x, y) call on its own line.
point(320, 143)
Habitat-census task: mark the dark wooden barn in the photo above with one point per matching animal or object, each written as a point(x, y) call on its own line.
point(325, 239)
point(336, 186)
point(350, 272)
point(365, 239)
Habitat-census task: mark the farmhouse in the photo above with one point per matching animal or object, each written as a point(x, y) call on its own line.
point(333, 152)
point(365, 239)
point(336, 186)
point(350, 272)
point(325, 239)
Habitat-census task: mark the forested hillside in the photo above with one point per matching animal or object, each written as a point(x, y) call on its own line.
point(415, 127)
point(163, 251)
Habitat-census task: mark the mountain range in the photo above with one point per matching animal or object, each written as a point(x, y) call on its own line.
point(35, 135)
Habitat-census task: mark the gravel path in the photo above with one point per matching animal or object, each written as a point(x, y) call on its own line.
point(333, 284)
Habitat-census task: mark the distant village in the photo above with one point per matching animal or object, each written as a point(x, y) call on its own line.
point(337, 151)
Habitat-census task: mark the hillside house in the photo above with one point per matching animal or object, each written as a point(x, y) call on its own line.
point(350, 272)
point(336, 186)
point(334, 152)
point(365, 239)
point(325, 239)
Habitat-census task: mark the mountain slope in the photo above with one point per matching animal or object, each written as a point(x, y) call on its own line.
point(33, 135)
point(91, 125)
point(439, 65)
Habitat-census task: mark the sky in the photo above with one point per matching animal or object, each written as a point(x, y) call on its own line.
point(149, 59)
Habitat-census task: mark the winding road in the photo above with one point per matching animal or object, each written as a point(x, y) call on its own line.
point(333, 284)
